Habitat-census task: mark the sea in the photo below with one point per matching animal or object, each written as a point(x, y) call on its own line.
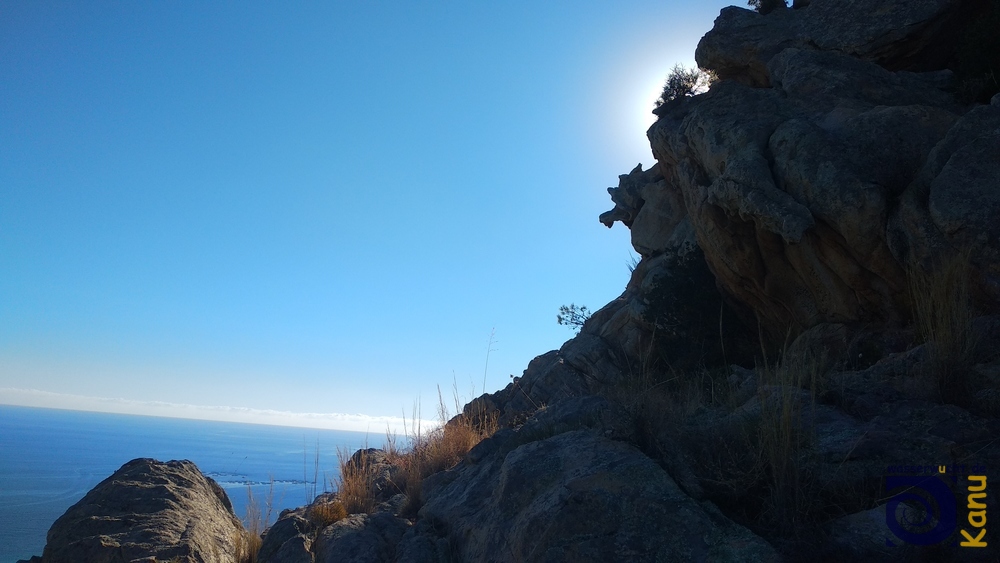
point(49, 459)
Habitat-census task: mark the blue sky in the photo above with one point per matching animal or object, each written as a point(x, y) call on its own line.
point(313, 208)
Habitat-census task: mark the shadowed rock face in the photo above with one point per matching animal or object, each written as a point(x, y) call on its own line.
point(146, 510)
point(812, 175)
point(916, 35)
point(578, 496)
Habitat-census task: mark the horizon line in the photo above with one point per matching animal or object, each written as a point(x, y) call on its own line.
point(397, 425)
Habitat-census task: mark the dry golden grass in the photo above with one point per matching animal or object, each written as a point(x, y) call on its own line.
point(248, 541)
point(943, 314)
point(247, 546)
point(426, 453)
point(783, 435)
point(355, 483)
point(322, 514)
point(439, 449)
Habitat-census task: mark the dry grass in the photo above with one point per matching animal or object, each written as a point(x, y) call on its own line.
point(247, 546)
point(943, 314)
point(644, 386)
point(439, 449)
point(355, 485)
point(755, 450)
point(322, 514)
point(310, 486)
point(426, 453)
point(248, 541)
point(784, 391)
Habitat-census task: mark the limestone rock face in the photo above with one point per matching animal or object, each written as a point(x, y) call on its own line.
point(815, 172)
point(147, 511)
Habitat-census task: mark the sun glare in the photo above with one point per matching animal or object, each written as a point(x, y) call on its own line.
point(636, 89)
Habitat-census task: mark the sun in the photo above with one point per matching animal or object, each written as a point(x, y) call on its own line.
point(634, 100)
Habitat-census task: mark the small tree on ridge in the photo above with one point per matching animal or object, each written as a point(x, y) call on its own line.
point(767, 6)
point(683, 81)
point(573, 316)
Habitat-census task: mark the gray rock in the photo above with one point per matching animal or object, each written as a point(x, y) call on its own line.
point(361, 538)
point(424, 543)
point(863, 536)
point(912, 35)
point(289, 540)
point(580, 497)
point(810, 197)
point(382, 472)
point(951, 205)
point(145, 510)
point(549, 378)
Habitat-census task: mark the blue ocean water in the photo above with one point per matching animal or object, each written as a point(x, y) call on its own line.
point(50, 458)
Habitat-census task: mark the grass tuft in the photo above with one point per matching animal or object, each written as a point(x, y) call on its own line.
point(440, 449)
point(248, 541)
point(426, 453)
point(355, 485)
point(748, 433)
point(943, 314)
point(784, 392)
point(322, 514)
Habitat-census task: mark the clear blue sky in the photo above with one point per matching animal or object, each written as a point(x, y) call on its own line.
point(320, 207)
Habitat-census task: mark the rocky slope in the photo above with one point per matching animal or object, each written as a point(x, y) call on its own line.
point(811, 331)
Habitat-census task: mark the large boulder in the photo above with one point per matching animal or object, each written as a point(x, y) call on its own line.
point(289, 540)
point(361, 538)
point(148, 511)
point(954, 200)
point(561, 488)
point(814, 175)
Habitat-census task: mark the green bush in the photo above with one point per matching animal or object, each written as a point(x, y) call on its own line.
point(683, 82)
point(766, 6)
point(573, 316)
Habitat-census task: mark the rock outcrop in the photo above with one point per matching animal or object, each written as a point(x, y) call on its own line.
point(563, 488)
point(362, 538)
point(820, 168)
point(148, 511)
point(919, 35)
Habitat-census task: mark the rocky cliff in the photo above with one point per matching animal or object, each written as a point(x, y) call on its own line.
point(831, 156)
point(810, 334)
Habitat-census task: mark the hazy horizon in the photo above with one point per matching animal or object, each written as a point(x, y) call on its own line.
point(318, 210)
point(377, 426)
